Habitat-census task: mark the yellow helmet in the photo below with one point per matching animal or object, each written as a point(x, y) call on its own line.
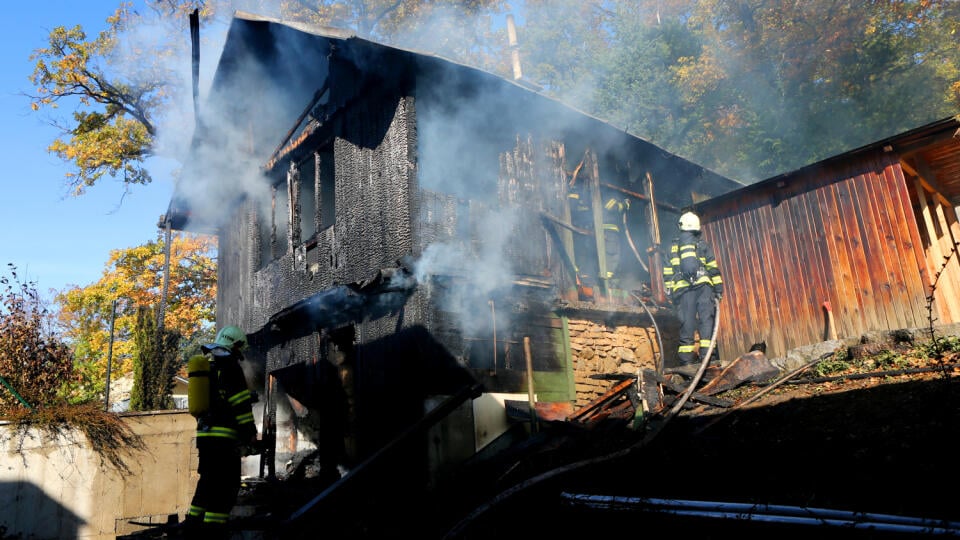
point(689, 222)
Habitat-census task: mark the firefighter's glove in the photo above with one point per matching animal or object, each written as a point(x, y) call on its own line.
point(718, 296)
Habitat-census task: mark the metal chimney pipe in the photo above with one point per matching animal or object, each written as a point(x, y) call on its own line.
point(514, 48)
point(195, 45)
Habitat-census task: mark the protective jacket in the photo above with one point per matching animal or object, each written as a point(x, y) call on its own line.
point(613, 211)
point(691, 264)
point(692, 279)
point(231, 414)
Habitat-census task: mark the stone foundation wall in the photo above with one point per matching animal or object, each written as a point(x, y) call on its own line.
point(598, 349)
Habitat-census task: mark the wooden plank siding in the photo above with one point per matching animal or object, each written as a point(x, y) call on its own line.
point(843, 233)
point(939, 244)
point(916, 274)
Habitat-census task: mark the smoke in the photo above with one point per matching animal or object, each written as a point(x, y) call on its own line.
point(472, 277)
point(219, 172)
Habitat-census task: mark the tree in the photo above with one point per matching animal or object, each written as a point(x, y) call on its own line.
point(748, 88)
point(155, 363)
point(121, 96)
point(133, 278)
point(462, 31)
point(113, 126)
point(37, 370)
point(754, 87)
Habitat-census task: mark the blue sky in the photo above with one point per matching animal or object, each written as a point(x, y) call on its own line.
point(55, 239)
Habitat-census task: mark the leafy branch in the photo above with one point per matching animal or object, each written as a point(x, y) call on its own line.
point(938, 346)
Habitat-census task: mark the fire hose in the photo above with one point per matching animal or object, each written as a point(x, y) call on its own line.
point(15, 393)
point(766, 513)
point(658, 363)
point(626, 232)
point(459, 527)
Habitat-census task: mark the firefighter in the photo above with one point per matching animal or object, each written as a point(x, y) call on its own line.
point(225, 433)
point(613, 212)
point(692, 280)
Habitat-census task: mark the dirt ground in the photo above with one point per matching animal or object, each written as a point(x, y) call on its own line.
point(875, 444)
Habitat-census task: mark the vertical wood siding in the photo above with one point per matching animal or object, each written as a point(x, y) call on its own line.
point(845, 234)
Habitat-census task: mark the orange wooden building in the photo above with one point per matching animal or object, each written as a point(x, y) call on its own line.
point(870, 233)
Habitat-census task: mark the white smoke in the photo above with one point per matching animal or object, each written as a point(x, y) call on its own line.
point(478, 275)
point(452, 160)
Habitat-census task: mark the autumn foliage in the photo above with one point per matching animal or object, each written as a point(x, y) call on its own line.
point(133, 280)
point(35, 363)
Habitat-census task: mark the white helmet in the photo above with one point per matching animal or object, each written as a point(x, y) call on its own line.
point(689, 222)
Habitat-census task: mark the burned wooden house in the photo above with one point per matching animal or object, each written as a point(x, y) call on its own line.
point(395, 235)
point(861, 242)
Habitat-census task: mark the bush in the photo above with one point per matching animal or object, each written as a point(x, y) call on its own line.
point(38, 367)
point(36, 364)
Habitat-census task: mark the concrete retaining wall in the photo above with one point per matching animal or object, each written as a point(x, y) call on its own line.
point(61, 488)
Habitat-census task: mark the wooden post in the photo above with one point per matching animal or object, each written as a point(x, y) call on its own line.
point(570, 290)
point(514, 48)
point(493, 319)
point(530, 395)
point(593, 174)
point(831, 328)
point(656, 263)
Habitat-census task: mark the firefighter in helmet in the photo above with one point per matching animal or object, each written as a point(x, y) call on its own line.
point(613, 219)
point(225, 433)
point(692, 280)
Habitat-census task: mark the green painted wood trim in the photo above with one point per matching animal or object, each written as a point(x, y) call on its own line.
point(557, 385)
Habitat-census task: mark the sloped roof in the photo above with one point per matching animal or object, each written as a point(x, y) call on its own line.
point(932, 150)
point(346, 42)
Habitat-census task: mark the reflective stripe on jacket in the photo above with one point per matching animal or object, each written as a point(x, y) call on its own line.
point(675, 281)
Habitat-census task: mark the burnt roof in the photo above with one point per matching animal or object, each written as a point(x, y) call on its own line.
point(261, 37)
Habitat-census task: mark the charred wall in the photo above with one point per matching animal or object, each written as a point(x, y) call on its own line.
point(265, 267)
point(412, 155)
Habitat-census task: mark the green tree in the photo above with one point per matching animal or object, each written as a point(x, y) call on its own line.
point(789, 84)
point(636, 89)
point(754, 87)
point(564, 58)
point(155, 363)
point(133, 279)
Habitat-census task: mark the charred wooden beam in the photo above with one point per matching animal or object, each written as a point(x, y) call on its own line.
point(385, 292)
point(679, 388)
point(615, 392)
point(641, 197)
